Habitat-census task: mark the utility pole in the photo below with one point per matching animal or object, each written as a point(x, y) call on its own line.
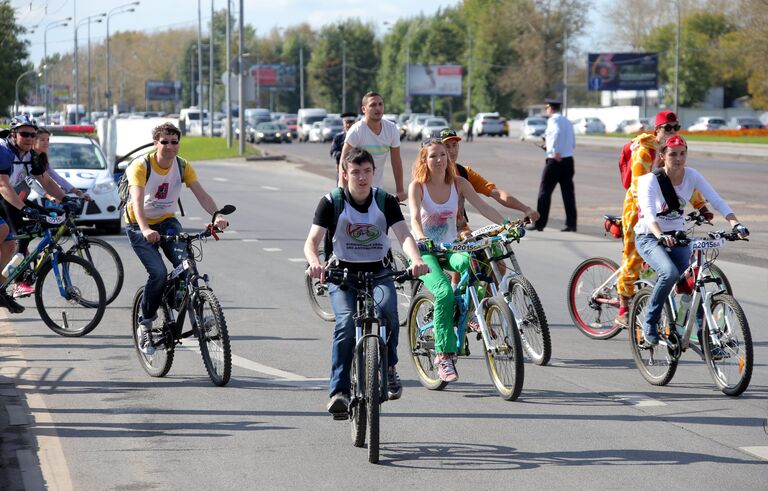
point(240, 87)
point(565, 73)
point(469, 76)
point(407, 73)
point(210, 77)
point(227, 90)
point(343, 76)
point(200, 67)
point(301, 72)
point(677, 54)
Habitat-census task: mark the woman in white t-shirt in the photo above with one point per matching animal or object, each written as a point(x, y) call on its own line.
point(658, 222)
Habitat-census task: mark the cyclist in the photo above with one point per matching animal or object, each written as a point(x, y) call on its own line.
point(433, 199)
point(151, 211)
point(19, 165)
point(643, 155)
point(360, 243)
point(658, 220)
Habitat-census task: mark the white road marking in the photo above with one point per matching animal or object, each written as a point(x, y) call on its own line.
point(297, 259)
point(761, 452)
point(270, 188)
point(272, 249)
point(250, 240)
point(220, 179)
point(640, 401)
point(194, 218)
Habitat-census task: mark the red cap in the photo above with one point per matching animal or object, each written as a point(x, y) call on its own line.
point(675, 141)
point(665, 117)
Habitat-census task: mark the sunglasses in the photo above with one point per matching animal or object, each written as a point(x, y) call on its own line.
point(669, 127)
point(168, 142)
point(429, 141)
point(27, 134)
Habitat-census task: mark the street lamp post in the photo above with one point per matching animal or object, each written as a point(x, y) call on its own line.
point(677, 54)
point(87, 20)
point(48, 27)
point(120, 9)
point(18, 80)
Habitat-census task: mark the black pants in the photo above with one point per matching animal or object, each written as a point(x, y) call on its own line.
point(557, 173)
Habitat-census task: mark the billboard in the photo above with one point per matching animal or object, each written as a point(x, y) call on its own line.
point(434, 79)
point(278, 77)
point(622, 71)
point(162, 90)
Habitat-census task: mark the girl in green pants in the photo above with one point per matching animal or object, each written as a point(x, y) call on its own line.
point(433, 199)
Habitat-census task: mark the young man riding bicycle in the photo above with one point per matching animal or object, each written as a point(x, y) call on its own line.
point(360, 243)
point(151, 212)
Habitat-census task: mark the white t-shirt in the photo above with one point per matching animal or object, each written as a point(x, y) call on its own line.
point(361, 136)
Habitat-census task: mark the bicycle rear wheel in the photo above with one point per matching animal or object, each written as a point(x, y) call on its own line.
point(318, 293)
point(213, 336)
point(373, 395)
point(594, 311)
point(75, 307)
point(656, 363)
point(421, 340)
point(727, 346)
point(159, 363)
point(532, 322)
point(358, 414)
point(505, 355)
point(105, 259)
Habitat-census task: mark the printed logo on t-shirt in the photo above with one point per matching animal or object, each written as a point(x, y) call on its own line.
point(362, 233)
point(162, 191)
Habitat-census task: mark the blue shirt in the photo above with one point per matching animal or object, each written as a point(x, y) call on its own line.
point(559, 136)
point(7, 157)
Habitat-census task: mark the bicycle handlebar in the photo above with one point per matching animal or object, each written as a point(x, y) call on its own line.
point(342, 277)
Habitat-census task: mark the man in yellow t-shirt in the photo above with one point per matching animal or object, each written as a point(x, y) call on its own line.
point(151, 212)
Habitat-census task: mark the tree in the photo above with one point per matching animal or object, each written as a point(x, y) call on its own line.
point(754, 43)
point(13, 62)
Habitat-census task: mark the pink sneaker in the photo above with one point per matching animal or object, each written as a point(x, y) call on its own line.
point(446, 370)
point(23, 290)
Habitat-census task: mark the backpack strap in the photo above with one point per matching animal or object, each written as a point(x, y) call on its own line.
point(667, 190)
point(380, 196)
point(182, 165)
point(337, 197)
point(462, 171)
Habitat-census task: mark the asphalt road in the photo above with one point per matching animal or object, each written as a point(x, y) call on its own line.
point(586, 421)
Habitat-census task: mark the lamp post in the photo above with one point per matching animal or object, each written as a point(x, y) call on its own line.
point(240, 87)
point(120, 9)
point(18, 80)
point(87, 20)
point(48, 27)
point(227, 91)
point(677, 54)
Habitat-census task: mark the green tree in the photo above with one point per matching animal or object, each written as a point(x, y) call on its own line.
point(13, 62)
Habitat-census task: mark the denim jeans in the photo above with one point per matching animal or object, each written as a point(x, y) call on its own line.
point(344, 307)
point(669, 264)
point(149, 255)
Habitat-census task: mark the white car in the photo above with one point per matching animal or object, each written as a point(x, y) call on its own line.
point(533, 128)
point(708, 123)
point(433, 125)
point(631, 126)
point(488, 124)
point(585, 126)
point(315, 132)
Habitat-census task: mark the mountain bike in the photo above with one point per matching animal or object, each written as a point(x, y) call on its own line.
point(187, 292)
point(368, 375)
point(496, 327)
point(69, 293)
point(593, 297)
point(723, 335)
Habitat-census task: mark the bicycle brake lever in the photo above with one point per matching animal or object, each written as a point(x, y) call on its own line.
point(212, 229)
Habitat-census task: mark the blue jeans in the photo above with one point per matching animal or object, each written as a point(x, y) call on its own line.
point(149, 255)
point(669, 264)
point(344, 307)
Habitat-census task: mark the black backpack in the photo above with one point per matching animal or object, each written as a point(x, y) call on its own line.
point(123, 189)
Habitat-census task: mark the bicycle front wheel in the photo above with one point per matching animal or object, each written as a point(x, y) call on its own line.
point(656, 363)
point(594, 309)
point(404, 290)
point(505, 354)
point(532, 321)
point(159, 363)
point(105, 259)
point(317, 293)
point(716, 272)
point(728, 346)
point(373, 395)
point(421, 339)
point(70, 297)
point(213, 337)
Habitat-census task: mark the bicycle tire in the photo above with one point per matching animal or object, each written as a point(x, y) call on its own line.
point(82, 309)
point(213, 336)
point(731, 369)
point(422, 345)
point(373, 395)
point(105, 259)
point(404, 291)
point(317, 293)
point(594, 320)
point(505, 358)
point(159, 363)
point(358, 417)
point(655, 371)
point(715, 271)
point(533, 326)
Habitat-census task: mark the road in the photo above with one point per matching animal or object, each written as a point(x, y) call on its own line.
point(588, 420)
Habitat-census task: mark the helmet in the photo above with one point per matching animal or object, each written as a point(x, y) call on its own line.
point(22, 120)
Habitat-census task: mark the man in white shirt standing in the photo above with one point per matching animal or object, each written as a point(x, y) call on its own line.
point(379, 137)
point(559, 169)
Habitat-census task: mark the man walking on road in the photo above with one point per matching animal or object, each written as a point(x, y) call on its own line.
point(379, 137)
point(348, 119)
point(558, 169)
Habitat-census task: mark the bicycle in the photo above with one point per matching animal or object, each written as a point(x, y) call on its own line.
point(592, 295)
point(69, 293)
point(725, 338)
point(187, 292)
point(497, 327)
point(369, 374)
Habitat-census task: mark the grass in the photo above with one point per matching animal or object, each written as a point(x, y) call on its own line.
point(702, 137)
point(196, 148)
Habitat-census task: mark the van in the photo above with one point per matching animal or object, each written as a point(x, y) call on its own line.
point(190, 119)
point(306, 118)
point(73, 113)
point(254, 116)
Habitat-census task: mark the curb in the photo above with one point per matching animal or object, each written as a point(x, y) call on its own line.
point(256, 158)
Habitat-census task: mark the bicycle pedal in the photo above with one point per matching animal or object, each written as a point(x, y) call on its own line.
point(340, 416)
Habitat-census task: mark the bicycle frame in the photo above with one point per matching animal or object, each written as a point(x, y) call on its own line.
point(48, 246)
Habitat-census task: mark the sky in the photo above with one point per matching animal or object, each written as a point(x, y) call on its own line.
point(261, 14)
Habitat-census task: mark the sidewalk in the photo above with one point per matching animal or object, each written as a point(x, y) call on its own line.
point(748, 151)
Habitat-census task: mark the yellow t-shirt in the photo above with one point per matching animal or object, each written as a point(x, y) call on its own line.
point(137, 176)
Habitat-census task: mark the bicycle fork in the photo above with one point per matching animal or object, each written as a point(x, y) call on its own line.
point(378, 331)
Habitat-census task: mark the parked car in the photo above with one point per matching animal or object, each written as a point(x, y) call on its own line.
point(306, 118)
point(533, 128)
point(330, 127)
point(413, 130)
point(708, 123)
point(631, 126)
point(585, 126)
point(402, 124)
point(315, 132)
point(433, 125)
point(390, 117)
point(250, 133)
point(745, 123)
point(270, 132)
point(487, 124)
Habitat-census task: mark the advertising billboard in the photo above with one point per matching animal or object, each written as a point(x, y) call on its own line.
point(161, 90)
point(622, 71)
point(434, 79)
point(279, 77)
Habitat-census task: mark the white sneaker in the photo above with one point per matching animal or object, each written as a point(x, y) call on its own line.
point(144, 335)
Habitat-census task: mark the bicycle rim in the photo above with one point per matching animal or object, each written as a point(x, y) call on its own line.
point(532, 322)
point(505, 354)
point(357, 410)
point(372, 395)
point(213, 337)
point(422, 342)
point(594, 311)
point(728, 346)
point(656, 364)
point(106, 261)
point(79, 310)
point(159, 363)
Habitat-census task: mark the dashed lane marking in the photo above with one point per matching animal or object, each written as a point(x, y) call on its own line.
point(220, 179)
point(270, 188)
point(297, 259)
point(272, 249)
point(250, 240)
point(194, 218)
point(761, 452)
point(639, 400)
